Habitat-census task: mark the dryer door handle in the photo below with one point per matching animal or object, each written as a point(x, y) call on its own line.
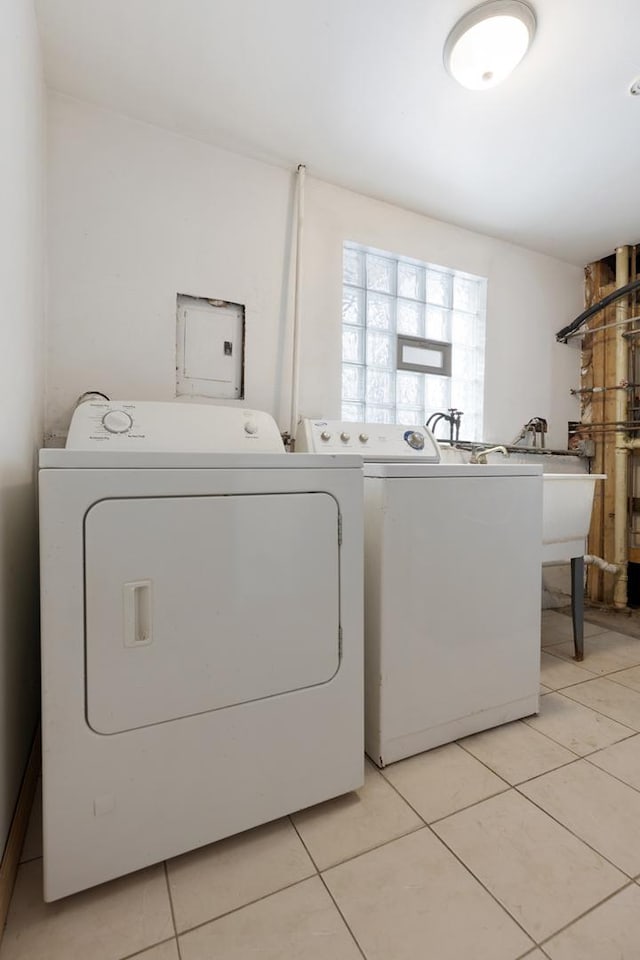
point(137, 613)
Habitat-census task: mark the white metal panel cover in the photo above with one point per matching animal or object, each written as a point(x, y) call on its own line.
point(199, 603)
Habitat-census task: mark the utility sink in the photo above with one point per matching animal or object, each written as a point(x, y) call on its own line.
point(567, 499)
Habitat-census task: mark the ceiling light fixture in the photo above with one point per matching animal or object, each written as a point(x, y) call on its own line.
point(488, 42)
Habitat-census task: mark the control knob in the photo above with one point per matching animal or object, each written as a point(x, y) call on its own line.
point(416, 440)
point(250, 428)
point(345, 437)
point(325, 435)
point(364, 437)
point(117, 421)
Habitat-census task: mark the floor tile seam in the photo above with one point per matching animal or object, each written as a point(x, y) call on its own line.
point(574, 757)
point(470, 806)
point(575, 835)
point(611, 629)
point(329, 893)
point(344, 919)
point(580, 663)
point(242, 906)
point(556, 656)
point(487, 890)
point(589, 623)
point(565, 659)
point(549, 737)
point(604, 769)
point(538, 943)
point(593, 710)
point(589, 707)
point(612, 677)
point(583, 756)
point(567, 763)
point(403, 798)
point(530, 953)
point(484, 764)
point(584, 914)
point(165, 866)
point(141, 953)
point(299, 836)
point(574, 683)
point(384, 843)
point(507, 786)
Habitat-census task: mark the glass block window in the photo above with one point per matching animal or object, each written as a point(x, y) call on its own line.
point(385, 295)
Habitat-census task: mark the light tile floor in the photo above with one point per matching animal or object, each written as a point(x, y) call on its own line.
point(522, 841)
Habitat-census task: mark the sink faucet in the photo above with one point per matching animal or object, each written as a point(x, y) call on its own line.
point(480, 456)
point(453, 417)
point(529, 432)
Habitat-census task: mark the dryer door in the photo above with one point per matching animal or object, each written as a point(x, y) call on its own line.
point(200, 603)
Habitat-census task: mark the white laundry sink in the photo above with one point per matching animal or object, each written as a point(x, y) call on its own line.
point(567, 499)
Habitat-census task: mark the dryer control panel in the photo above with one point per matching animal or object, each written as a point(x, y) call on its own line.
point(168, 426)
point(374, 441)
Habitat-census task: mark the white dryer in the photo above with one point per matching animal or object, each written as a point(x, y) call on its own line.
point(201, 634)
point(452, 587)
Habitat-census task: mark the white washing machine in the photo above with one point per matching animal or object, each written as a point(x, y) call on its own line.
point(201, 634)
point(452, 587)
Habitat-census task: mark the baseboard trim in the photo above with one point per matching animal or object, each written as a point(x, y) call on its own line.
point(17, 831)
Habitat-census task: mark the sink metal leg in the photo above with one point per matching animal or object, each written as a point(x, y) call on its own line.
point(577, 605)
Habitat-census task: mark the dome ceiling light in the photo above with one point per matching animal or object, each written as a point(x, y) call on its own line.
point(488, 42)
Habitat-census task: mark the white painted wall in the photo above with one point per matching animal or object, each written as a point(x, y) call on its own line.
point(138, 214)
point(21, 386)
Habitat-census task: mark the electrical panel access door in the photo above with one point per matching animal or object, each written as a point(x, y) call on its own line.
point(202, 603)
point(209, 348)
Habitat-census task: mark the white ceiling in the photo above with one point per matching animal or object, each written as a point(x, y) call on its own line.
point(357, 90)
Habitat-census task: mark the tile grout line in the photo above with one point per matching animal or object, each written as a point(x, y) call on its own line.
point(484, 887)
point(249, 903)
point(599, 676)
point(537, 943)
point(515, 787)
point(601, 629)
point(604, 770)
point(468, 806)
point(344, 919)
point(329, 893)
point(625, 686)
point(579, 663)
point(604, 677)
point(574, 757)
point(580, 839)
point(173, 914)
point(511, 786)
point(141, 953)
point(585, 913)
point(560, 694)
point(427, 826)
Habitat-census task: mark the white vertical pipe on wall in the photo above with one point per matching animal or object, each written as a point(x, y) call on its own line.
point(295, 346)
point(621, 452)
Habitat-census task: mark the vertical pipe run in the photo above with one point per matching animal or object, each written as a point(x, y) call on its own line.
point(621, 493)
point(295, 350)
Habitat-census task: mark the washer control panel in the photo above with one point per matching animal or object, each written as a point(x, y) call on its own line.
point(166, 426)
point(389, 441)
